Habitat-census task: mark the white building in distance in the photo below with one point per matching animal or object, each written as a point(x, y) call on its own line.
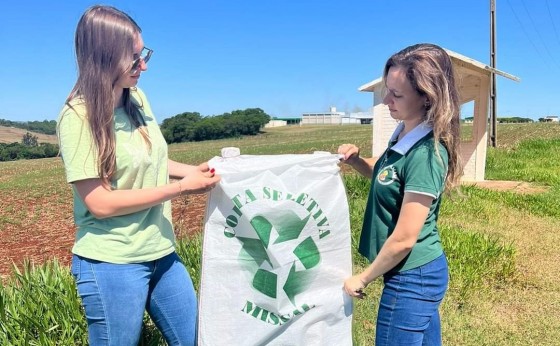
point(551, 119)
point(332, 117)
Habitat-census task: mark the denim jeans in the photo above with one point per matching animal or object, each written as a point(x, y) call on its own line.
point(408, 310)
point(115, 297)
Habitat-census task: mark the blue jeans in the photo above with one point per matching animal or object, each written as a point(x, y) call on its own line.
point(408, 310)
point(115, 297)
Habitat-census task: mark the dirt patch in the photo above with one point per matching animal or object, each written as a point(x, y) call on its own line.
point(521, 187)
point(48, 233)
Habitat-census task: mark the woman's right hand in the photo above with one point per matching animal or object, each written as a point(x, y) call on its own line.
point(354, 286)
point(350, 152)
point(199, 181)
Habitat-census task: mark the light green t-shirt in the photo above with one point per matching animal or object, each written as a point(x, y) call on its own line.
point(409, 165)
point(138, 237)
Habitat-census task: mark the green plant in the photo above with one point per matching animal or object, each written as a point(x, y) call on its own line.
point(40, 306)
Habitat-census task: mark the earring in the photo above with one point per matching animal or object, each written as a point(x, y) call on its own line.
point(427, 104)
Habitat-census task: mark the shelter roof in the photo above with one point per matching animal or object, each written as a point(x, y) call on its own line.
point(458, 60)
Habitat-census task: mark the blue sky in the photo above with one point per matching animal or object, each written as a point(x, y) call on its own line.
point(286, 57)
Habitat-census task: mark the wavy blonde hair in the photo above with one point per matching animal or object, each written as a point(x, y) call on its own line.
point(104, 44)
point(430, 72)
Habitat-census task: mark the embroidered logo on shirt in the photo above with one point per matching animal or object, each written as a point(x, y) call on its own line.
point(387, 175)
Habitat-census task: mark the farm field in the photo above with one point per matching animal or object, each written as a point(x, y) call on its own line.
point(514, 302)
point(12, 134)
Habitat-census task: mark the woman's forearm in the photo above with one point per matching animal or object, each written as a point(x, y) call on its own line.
point(103, 203)
point(177, 170)
point(364, 166)
point(391, 254)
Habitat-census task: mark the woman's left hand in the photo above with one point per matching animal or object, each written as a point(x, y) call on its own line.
point(354, 287)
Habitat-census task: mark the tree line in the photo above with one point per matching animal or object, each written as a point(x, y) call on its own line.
point(29, 148)
point(47, 127)
point(184, 127)
point(191, 126)
point(514, 120)
point(504, 120)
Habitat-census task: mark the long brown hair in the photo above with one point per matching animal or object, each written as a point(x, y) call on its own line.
point(104, 44)
point(430, 72)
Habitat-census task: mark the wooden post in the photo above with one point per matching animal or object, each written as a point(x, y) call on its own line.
point(493, 92)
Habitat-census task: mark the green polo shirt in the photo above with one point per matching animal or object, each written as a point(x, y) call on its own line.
point(138, 237)
point(409, 165)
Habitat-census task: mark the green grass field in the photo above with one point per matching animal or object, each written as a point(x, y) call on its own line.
point(502, 246)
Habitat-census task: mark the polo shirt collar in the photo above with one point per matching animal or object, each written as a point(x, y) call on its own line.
point(411, 138)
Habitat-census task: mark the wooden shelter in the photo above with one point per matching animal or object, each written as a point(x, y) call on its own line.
point(473, 79)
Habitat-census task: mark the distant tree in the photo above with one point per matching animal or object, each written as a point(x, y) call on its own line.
point(10, 152)
point(49, 150)
point(210, 128)
point(180, 128)
point(18, 151)
point(29, 140)
point(191, 126)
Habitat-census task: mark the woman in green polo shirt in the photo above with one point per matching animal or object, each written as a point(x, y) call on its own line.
point(115, 157)
point(400, 235)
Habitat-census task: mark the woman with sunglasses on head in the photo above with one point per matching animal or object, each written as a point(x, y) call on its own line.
point(400, 235)
point(115, 157)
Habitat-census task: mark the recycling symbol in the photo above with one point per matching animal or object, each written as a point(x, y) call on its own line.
point(259, 253)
